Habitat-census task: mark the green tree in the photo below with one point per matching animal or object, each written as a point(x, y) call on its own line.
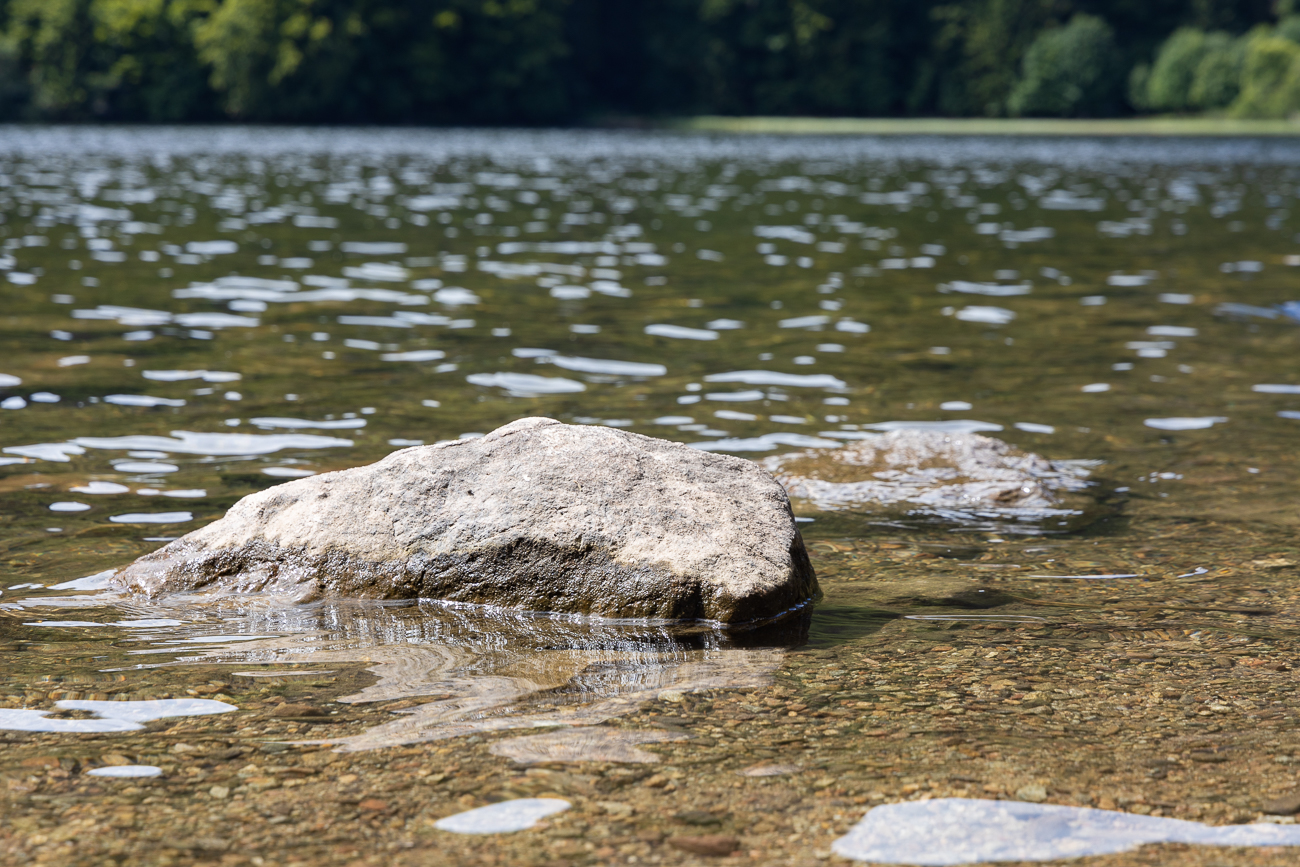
point(1270, 77)
point(1070, 71)
point(1218, 76)
point(1169, 86)
point(979, 45)
point(152, 71)
point(387, 60)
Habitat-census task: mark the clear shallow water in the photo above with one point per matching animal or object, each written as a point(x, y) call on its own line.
point(193, 315)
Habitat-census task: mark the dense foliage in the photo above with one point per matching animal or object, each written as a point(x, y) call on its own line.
point(546, 61)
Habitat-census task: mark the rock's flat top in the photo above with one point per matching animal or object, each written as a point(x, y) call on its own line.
point(537, 514)
point(943, 473)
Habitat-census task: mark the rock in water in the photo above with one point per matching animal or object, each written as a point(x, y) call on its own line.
point(951, 475)
point(537, 515)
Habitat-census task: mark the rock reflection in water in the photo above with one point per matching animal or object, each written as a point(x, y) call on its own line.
point(493, 670)
point(587, 744)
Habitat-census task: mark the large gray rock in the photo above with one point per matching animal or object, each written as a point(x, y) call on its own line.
point(960, 476)
point(537, 515)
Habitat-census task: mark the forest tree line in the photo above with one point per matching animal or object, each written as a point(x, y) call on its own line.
point(565, 61)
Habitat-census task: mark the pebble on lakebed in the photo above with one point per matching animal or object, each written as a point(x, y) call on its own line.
point(537, 514)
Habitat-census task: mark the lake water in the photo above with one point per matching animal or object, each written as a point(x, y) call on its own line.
point(192, 315)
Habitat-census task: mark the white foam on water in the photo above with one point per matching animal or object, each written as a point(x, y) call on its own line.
point(1185, 423)
point(816, 321)
point(414, 355)
point(986, 315)
point(1267, 388)
point(454, 296)
point(526, 384)
point(765, 443)
point(1127, 280)
point(98, 581)
point(144, 467)
point(68, 506)
point(379, 272)
point(724, 324)
point(1034, 427)
point(948, 831)
point(118, 771)
point(182, 375)
point(99, 488)
point(153, 518)
point(570, 293)
point(141, 400)
point(1095, 387)
point(287, 472)
point(996, 290)
point(216, 320)
point(216, 444)
point(212, 248)
point(38, 721)
point(679, 332)
point(953, 426)
point(300, 423)
point(1172, 331)
point(112, 716)
point(607, 366)
point(955, 405)
point(503, 817)
point(772, 377)
point(732, 396)
point(8, 380)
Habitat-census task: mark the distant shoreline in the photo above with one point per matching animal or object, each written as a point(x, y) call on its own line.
point(1142, 126)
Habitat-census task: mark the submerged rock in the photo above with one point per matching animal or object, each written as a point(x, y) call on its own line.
point(537, 515)
point(959, 476)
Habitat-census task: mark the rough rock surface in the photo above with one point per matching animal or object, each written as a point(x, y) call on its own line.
point(537, 515)
point(950, 474)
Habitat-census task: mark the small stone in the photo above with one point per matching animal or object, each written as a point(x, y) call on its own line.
point(372, 805)
point(697, 817)
point(768, 770)
point(296, 710)
point(219, 792)
point(715, 845)
point(1034, 793)
point(1287, 805)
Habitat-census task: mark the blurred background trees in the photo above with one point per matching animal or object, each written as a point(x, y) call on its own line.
point(564, 61)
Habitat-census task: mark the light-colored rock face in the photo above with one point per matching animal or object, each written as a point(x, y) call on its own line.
point(537, 515)
point(960, 476)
